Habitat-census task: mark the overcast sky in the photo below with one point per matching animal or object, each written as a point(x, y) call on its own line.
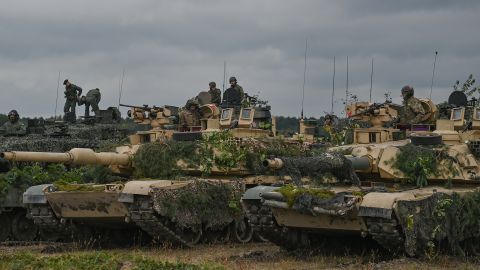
point(170, 50)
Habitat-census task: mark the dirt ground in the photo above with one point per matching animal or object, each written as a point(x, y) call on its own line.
point(260, 256)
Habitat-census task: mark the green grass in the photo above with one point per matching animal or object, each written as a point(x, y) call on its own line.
point(100, 260)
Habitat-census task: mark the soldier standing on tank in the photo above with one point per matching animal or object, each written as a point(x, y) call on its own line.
point(72, 93)
point(413, 111)
point(190, 116)
point(215, 93)
point(91, 99)
point(234, 95)
point(13, 127)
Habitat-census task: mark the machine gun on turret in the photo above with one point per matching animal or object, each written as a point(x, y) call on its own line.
point(154, 115)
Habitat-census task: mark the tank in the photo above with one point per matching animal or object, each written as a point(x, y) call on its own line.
point(415, 195)
point(43, 135)
point(141, 203)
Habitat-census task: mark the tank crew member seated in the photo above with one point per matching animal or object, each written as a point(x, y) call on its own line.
point(92, 98)
point(234, 95)
point(190, 116)
point(72, 93)
point(413, 111)
point(215, 93)
point(13, 127)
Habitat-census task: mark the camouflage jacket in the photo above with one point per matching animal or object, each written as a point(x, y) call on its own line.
point(240, 90)
point(216, 96)
point(13, 129)
point(72, 91)
point(93, 96)
point(413, 111)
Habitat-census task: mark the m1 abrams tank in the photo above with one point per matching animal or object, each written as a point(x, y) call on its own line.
point(415, 196)
point(141, 203)
point(45, 136)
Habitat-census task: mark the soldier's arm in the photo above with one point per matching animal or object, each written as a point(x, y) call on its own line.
point(419, 113)
point(79, 90)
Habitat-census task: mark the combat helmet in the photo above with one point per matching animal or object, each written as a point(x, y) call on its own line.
point(407, 91)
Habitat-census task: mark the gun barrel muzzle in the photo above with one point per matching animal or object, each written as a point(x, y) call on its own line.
point(273, 163)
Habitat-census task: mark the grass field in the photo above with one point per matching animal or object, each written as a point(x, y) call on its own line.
point(251, 256)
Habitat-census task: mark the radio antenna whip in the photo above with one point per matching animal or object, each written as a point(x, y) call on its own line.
point(120, 90)
point(333, 84)
point(304, 76)
point(371, 82)
point(56, 100)
point(433, 74)
point(346, 88)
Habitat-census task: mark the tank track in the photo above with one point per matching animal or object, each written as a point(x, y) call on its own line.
point(144, 216)
point(386, 233)
point(44, 217)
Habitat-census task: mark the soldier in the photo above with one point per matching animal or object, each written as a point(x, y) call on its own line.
point(234, 95)
point(413, 111)
point(91, 99)
point(72, 93)
point(190, 116)
point(215, 93)
point(13, 127)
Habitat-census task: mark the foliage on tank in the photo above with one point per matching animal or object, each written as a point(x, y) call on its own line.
point(211, 203)
point(291, 193)
point(54, 173)
point(219, 149)
point(426, 162)
point(441, 223)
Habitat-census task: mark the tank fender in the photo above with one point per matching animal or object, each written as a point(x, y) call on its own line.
point(36, 194)
point(256, 192)
point(140, 187)
point(381, 204)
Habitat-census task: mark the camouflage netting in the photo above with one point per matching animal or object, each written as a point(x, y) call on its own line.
point(442, 223)
point(317, 167)
point(213, 204)
point(159, 160)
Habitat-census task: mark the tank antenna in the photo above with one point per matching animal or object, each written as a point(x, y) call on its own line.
point(224, 75)
point(371, 82)
point(120, 90)
point(304, 76)
point(346, 88)
point(433, 74)
point(333, 84)
point(56, 100)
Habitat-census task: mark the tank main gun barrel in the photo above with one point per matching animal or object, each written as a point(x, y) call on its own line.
point(358, 163)
point(77, 156)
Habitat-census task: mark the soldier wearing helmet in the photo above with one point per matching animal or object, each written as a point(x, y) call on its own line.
point(413, 111)
point(215, 93)
point(189, 116)
point(13, 127)
point(234, 95)
point(72, 94)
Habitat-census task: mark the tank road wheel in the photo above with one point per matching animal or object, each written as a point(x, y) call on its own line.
point(218, 236)
point(5, 227)
point(23, 229)
point(190, 235)
point(242, 231)
point(258, 237)
point(49, 235)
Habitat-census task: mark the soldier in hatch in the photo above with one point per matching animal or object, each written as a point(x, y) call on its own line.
point(413, 111)
point(215, 93)
point(72, 93)
point(13, 127)
point(190, 116)
point(234, 95)
point(91, 99)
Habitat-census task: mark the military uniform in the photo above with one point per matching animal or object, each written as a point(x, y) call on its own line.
point(189, 119)
point(216, 96)
point(413, 110)
point(72, 92)
point(92, 98)
point(14, 129)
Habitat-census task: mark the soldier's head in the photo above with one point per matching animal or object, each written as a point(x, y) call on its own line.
point(13, 116)
point(212, 85)
point(233, 81)
point(407, 91)
point(66, 82)
point(191, 105)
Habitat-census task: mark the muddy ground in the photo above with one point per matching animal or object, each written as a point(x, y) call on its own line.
point(251, 256)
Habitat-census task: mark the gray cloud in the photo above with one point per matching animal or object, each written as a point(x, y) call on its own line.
point(172, 49)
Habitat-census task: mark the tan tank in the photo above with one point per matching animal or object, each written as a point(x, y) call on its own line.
point(137, 203)
point(416, 196)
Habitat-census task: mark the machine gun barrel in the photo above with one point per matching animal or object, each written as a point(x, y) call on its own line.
point(77, 156)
